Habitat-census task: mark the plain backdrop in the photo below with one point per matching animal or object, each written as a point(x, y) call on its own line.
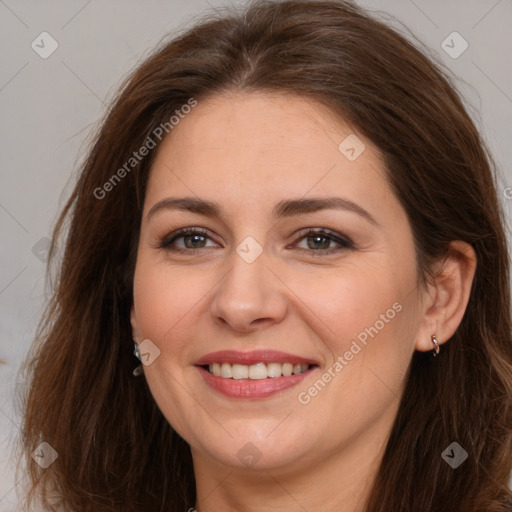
point(49, 106)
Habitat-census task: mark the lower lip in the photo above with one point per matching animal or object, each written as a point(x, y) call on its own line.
point(248, 388)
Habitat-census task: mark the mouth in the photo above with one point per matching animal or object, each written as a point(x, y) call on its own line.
point(256, 374)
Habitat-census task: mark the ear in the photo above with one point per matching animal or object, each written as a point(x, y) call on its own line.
point(133, 322)
point(447, 295)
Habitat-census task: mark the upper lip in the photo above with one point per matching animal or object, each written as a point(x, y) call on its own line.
point(253, 357)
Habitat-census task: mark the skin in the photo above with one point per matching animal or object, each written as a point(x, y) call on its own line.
point(248, 152)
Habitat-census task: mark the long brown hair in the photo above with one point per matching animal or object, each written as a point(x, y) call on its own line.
point(116, 451)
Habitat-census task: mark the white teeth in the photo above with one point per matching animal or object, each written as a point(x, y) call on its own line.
point(215, 369)
point(225, 371)
point(257, 371)
point(240, 371)
point(274, 369)
point(287, 369)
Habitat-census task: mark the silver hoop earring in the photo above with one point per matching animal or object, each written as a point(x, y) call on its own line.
point(436, 346)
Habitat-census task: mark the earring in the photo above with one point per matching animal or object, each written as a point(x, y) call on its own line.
point(136, 353)
point(436, 346)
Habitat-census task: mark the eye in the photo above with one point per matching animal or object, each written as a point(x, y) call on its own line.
point(185, 240)
point(317, 241)
point(321, 240)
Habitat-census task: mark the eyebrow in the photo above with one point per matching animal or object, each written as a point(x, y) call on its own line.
point(283, 209)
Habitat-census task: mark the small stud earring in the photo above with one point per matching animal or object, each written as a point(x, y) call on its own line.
point(436, 345)
point(136, 352)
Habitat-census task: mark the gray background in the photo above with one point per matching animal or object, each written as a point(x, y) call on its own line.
point(49, 107)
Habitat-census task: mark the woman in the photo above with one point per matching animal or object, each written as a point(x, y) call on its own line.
point(290, 220)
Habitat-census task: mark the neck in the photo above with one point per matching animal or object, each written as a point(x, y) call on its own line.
point(338, 480)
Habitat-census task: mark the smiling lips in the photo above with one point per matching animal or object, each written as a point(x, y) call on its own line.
point(256, 374)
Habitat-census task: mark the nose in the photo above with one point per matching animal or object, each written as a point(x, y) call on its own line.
point(249, 296)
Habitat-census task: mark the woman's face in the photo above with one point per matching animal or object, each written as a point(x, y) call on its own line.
point(251, 292)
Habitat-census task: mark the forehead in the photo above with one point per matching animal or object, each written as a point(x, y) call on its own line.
point(259, 147)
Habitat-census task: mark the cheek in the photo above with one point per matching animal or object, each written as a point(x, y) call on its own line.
point(163, 298)
point(368, 317)
point(349, 301)
point(165, 301)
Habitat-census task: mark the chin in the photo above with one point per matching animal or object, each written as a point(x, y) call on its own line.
point(254, 449)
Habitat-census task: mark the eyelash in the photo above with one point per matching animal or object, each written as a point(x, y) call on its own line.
point(345, 242)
